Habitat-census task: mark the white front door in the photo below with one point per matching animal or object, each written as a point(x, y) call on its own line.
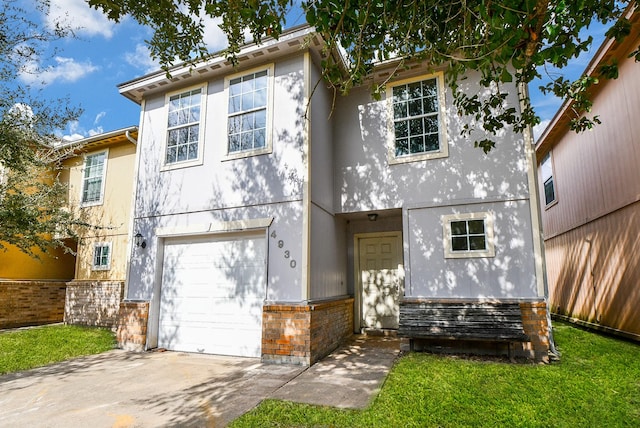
point(212, 295)
point(380, 280)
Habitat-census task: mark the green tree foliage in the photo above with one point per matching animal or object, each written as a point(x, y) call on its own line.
point(506, 41)
point(33, 211)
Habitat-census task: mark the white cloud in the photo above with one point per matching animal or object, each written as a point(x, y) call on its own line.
point(141, 59)
point(99, 117)
point(65, 70)
point(76, 132)
point(77, 15)
point(539, 129)
point(213, 37)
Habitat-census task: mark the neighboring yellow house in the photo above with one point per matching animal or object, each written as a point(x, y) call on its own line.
point(100, 174)
point(99, 171)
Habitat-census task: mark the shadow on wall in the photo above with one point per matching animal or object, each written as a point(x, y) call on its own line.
point(254, 187)
point(366, 181)
point(594, 271)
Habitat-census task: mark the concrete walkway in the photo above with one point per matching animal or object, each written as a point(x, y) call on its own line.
point(160, 389)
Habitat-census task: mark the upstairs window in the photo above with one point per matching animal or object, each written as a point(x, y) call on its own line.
point(418, 131)
point(102, 256)
point(248, 114)
point(93, 178)
point(546, 170)
point(183, 127)
point(468, 235)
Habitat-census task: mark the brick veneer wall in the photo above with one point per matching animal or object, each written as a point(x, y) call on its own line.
point(24, 303)
point(131, 332)
point(93, 303)
point(302, 334)
point(535, 322)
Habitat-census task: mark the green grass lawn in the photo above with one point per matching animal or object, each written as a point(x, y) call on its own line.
point(595, 384)
point(34, 347)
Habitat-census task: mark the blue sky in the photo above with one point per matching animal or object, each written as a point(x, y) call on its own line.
point(88, 69)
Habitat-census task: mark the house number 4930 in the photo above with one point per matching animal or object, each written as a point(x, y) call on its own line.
point(287, 253)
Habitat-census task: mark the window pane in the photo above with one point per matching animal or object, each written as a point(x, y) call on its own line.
point(247, 122)
point(415, 126)
point(247, 84)
point(431, 124)
point(246, 141)
point(400, 93)
point(182, 153)
point(260, 98)
point(234, 104)
point(432, 143)
point(172, 154)
point(259, 140)
point(476, 227)
point(401, 129)
point(458, 227)
point(415, 90)
point(477, 243)
point(234, 143)
point(402, 147)
point(399, 110)
point(429, 88)
point(193, 151)
point(416, 144)
point(459, 243)
point(261, 119)
point(173, 138)
point(415, 107)
point(549, 191)
point(247, 101)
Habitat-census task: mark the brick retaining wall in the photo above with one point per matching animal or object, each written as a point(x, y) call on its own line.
point(24, 303)
point(303, 334)
point(131, 332)
point(93, 303)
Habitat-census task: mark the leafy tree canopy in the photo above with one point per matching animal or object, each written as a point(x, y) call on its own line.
point(506, 41)
point(33, 212)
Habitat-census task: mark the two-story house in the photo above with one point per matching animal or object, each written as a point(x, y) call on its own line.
point(590, 188)
point(99, 171)
point(276, 220)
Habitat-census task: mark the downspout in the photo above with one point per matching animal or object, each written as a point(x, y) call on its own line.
point(130, 138)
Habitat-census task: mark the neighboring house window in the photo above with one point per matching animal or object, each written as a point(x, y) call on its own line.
point(468, 235)
point(418, 125)
point(183, 127)
point(102, 256)
point(93, 178)
point(248, 114)
point(547, 180)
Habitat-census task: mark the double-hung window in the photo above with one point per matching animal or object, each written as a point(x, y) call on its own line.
point(184, 127)
point(93, 178)
point(417, 119)
point(468, 235)
point(546, 169)
point(248, 114)
point(102, 256)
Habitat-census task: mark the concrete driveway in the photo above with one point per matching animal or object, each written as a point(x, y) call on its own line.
point(123, 389)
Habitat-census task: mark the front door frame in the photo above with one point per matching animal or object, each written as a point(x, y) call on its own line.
point(357, 309)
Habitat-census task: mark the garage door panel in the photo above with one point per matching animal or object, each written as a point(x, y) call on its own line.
point(211, 296)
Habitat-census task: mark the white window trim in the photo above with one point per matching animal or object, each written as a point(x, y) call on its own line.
point(93, 256)
point(488, 231)
point(268, 146)
point(103, 180)
point(549, 155)
point(442, 125)
point(201, 131)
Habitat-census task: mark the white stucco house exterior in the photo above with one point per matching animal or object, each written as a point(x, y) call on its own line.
point(275, 221)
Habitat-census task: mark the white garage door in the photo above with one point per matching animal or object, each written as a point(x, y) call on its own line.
point(212, 294)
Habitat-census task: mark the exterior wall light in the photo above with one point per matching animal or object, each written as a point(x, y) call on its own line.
point(140, 242)
point(373, 216)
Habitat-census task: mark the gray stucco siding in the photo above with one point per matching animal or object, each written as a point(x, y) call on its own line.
point(365, 180)
point(508, 274)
